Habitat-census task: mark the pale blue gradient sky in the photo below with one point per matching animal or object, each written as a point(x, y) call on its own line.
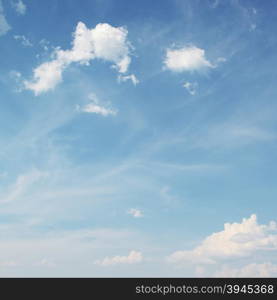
point(189, 162)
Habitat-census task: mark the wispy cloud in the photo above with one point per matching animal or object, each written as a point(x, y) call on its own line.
point(190, 87)
point(232, 134)
point(24, 41)
point(21, 186)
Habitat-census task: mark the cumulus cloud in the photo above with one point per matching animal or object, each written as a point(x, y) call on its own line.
point(4, 26)
point(186, 59)
point(190, 87)
point(24, 41)
point(98, 107)
point(19, 7)
point(103, 42)
point(236, 240)
point(131, 77)
point(136, 213)
point(250, 270)
point(133, 258)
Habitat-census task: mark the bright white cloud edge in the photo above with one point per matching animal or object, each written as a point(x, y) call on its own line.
point(103, 42)
point(236, 240)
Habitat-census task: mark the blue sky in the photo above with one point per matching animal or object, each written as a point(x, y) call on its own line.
point(138, 138)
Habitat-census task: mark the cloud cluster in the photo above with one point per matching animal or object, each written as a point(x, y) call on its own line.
point(133, 258)
point(186, 59)
point(236, 240)
point(103, 42)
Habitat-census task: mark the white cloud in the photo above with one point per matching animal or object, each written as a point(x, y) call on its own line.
point(94, 108)
point(19, 7)
point(133, 258)
point(190, 87)
point(98, 107)
point(136, 213)
point(4, 26)
point(46, 77)
point(185, 59)
point(236, 240)
point(24, 41)
point(250, 270)
point(103, 42)
point(131, 77)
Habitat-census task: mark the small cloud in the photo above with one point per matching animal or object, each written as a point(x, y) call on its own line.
point(96, 106)
point(136, 213)
point(134, 257)
point(19, 7)
point(187, 59)
point(24, 41)
point(190, 87)
point(97, 109)
point(131, 77)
